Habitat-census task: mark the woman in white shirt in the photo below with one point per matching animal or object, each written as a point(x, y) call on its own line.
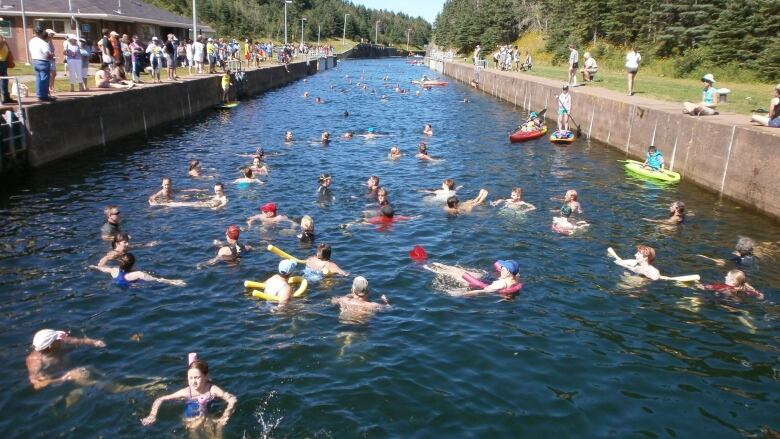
point(633, 58)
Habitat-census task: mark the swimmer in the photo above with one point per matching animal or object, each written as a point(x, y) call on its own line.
point(268, 216)
point(347, 136)
point(428, 130)
point(381, 198)
point(394, 153)
point(735, 286)
point(258, 167)
point(199, 396)
point(119, 247)
point(454, 206)
point(654, 160)
point(465, 100)
point(515, 201)
point(383, 97)
point(642, 263)
point(448, 189)
point(564, 225)
point(323, 190)
point(677, 214)
point(321, 261)
point(744, 254)
point(307, 230)
point(288, 136)
point(110, 228)
point(422, 153)
point(356, 304)
point(125, 274)
point(166, 193)
point(48, 356)
point(369, 134)
point(194, 170)
point(346, 113)
point(278, 284)
point(372, 185)
point(417, 93)
point(325, 137)
point(318, 100)
point(247, 178)
point(217, 201)
point(305, 94)
point(385, 218)
point(507, 277)
point(232, 250)
point(570, 200)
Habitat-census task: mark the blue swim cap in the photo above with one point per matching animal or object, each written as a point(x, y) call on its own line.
point(371, 130)
point(533, 114)
point(287, 266)
point(511, 266)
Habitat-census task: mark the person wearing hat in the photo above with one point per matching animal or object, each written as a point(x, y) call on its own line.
point(533, 124)
point(106, 48)
point(86, 53)
point(41, 54)
point(73, 60)
point(278, 285)
point(211, 55)
point(507, 270)
point(155, 51)
point(232, 250)
point(564, 108)
point(773, 118)
point(6, 62)
point(589, 69)
point(268, 216)
point(507, 277)
point(47, 357)
point(709, 99)
point(357, 300)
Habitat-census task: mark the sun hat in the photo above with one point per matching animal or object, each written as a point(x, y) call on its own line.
point(46, 337)
point(286, 266)
point(51, 32)
point(511, 266)
point(71, 37)
point(155, 39)
point(708, 78)
point(360, 286)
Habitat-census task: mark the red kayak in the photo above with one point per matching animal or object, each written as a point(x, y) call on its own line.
point(522, 136)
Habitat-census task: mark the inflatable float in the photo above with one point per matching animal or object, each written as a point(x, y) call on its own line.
point(258, 288)
point(665, 175)
point(431, 83)
point(478, 284)
point(522, 136)
point(562, 137)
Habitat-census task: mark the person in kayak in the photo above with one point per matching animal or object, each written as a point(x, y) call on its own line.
point(654, 159)
point(533, 124)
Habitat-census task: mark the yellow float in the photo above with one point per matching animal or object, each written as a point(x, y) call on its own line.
point(258, 288)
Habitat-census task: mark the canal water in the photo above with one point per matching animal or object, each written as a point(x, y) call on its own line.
point(583, 350)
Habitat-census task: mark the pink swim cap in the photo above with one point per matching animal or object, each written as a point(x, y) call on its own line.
point(233, 231)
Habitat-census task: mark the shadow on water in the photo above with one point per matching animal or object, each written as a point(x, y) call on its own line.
point(583, 350)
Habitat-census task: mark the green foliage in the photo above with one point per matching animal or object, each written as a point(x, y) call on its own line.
point(262, 19)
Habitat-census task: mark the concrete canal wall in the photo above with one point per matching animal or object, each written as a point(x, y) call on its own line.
point(723, 154)
point(70, 126)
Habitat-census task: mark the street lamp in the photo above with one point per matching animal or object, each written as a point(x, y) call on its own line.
point(285, 20)
point(194, 22)
point(344, 35)
point(376, 32)
point(319, 28)
point(407, 39)
point(302, 20)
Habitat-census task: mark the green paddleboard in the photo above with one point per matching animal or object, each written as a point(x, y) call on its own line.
point(666, 175)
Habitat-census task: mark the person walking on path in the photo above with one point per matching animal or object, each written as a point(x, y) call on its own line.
point(41, 54)
point(574, 64)
point(633, 58)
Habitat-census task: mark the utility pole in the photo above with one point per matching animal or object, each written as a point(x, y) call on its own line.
point(407, 39)
point(285, 20)
point(376, 33)
point(344, 35)
point(194, 22)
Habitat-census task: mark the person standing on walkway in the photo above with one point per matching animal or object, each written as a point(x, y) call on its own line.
point(41, 54)
point(633, 58)
point(52, 61)
point(211, 54)
point(574, 64)
point(86, 53)
point(190, 54)
point(155, 51)
point(476, 54)
point(106, 49)
point(6, 61)
point(136, 51)
point(197, 50)
point(127, 54)
point(73, 58)
point(170, 57)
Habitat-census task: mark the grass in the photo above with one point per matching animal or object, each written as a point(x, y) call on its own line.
point(651, 81)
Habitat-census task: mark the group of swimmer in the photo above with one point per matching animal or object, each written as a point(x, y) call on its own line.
point(200, 393)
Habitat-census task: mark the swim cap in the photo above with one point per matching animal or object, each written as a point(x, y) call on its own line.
point(46, 337)
point(287, 266)
point(371, 130)
point(533, 114)
point(360, 286)
point(511, 266)
point(268, 207)
point(232, 231)
point(192, 357)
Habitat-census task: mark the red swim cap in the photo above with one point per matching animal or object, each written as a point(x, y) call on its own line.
point(232, 231)
point(268, 207)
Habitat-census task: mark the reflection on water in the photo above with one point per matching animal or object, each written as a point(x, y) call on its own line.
point(583, 350)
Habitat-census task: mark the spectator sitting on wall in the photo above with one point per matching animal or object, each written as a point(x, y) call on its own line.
point(590, 68)
point(709, 99)
point(103, 80)
point(773, 118)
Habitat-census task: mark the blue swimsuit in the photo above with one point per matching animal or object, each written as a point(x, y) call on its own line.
point(199, 405)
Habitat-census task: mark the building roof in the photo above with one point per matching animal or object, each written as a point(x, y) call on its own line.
point(131, 11)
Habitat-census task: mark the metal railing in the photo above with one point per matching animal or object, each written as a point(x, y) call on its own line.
point(13, 132)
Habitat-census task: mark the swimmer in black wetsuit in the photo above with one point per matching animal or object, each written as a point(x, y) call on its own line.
point(743, 255)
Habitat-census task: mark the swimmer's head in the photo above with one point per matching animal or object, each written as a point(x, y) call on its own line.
point(126, 262)
point(232, 232)
point(166, 183)
point(194, 164)
point(197, 374)
point(257, 161)
point(571, 195)
point(286, 267)
point(387, 211)
point(452, 202)
point(517, 193)
point(46, 338)
point(678, 207)
point(511, 266)
point(347, 135)
point(736, 278)
point(360, 286)
point(381, 192)
point(269, 208)
point(323, 252)
point(120, 242)
point(307, 224)
point(448, 184)
point(346, 113)
point(324, 179)
point(423, 148)
point(745, 246)
point(111, 212)
point(646, 252)
point(288, 136)
point(394, 150)
point(247, 172)
point(325, 136)
point(373, 181)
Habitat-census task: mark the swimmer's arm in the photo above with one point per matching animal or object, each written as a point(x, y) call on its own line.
point(337, 270)
point(154, 196)
point(498, 202)
point(222, 203)
point(254, 218)
point(149, 278)
point(528, 206)
point(231, 404)
point(181, 394)
point(109, 256)
point(718, 262)
point(104, 269)
point(79, 341)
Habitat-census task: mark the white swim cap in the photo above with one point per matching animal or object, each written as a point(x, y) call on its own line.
point(46, 337)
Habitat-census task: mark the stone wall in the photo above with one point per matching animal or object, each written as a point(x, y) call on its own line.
point(722, 154)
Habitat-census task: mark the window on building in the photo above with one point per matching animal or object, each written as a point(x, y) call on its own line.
point(55, 25)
